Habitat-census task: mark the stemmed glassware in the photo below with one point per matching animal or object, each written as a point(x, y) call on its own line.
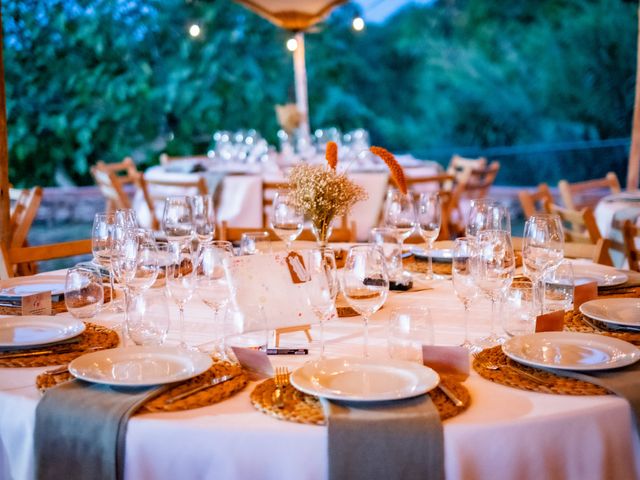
point(429, 221)
point(322, 287)
point(493, 268)
point(211, 285)
point(204, 217)
point(487, 214)
point(400, 214)
point(181, 280)
point(463, 281)
point(286, 221)
point(365, 283)
point(103, 238)
point(542, 250)
point(177, 219)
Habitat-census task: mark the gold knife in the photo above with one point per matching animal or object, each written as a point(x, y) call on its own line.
point(215, 381)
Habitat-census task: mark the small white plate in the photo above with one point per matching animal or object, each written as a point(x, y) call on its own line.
point(364, 380)
point(615, 311)
point(36, 330)
point(16, 287)
point(438, 255)
point(139, 366)
point(601, 274)
point(571, 351)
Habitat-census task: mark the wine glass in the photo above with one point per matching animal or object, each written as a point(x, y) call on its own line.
point(365, 283)
point(400, 214)
point(286, 221)
point(542, 250)
point(386, 239)
point(180, 281)
point(149, 318)
point(252, 243)
point(211, 284)
point(493, 267)
point(177, 219)
point(463, 281)
point(83, 291)
point(127, 217)
point(102, 246)
point(204, 217)
point(487, 214)
point(124, 260)
point(428, 220)
point(322, 287)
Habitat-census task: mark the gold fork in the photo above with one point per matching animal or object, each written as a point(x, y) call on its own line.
point(281, 379)
point(489, 365)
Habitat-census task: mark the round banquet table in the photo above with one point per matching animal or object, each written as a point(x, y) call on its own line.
point(505, 434)
point(241, 189)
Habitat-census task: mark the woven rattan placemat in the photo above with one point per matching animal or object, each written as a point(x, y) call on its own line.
point(512, 378)
point(95, 337)
point(422, 266)
point(303, 408)
point(203, 398)
point(56, 307)
point(574, 321)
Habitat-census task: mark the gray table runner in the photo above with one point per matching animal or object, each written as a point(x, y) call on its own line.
point(401, 439)
point(80, 430)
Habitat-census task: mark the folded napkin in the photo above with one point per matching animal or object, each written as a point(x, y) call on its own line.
point(382, 440)
point(80, 430)
point(624, 382)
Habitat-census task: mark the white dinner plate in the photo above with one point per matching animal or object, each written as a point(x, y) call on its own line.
point(603, 275)
point(364, 380)
point(438, 255)
point(616, 311)
point(16, 287)
point(35, 330)
point(571, 351)
point(139, 366)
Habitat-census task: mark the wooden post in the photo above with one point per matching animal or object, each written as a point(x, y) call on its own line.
point(5, 232)
point(634, 156)
point(300, 74)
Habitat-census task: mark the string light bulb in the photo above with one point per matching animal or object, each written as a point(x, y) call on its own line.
point(292, 44)
point(358, 23)
point(194, 30)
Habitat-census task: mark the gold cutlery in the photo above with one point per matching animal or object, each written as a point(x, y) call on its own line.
point(58, 371)
point(281, 379)
point(212, 383)
point(450, 395)
point(489, 365)
point(33, 353)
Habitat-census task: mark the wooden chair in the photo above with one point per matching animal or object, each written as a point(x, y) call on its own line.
point(24, 208)
point(479, 181)
point(461, 167)
point(533, 201)
point(155, 191)
point(576, 196)
point(579, 226)
point(166, 159)
point(269, 190)
point(631, 234)
point(443, 184)
point(111, 187)
point(19, 255)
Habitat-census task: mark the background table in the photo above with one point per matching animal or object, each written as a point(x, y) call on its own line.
point(619, 206)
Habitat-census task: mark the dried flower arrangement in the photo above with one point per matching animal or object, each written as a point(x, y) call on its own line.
point(397, 173)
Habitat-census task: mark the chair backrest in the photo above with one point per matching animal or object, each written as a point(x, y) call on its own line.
point(461, 167)
point(631, 235)
point(23, 213)
point(166, 159)
point(126, 170)
point(269, 190)
point(586, 194)
point(14, 256)
point(579, 225)
point(156, 191)
point(533, 201)
point(443, 185)
point(110, 186)
point(479, 181)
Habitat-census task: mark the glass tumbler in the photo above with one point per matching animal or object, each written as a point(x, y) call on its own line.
point(409, 329)
point(83, 291)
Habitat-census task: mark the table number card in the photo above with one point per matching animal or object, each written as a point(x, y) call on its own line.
point(583, 293)
point(447, 360)
point(550, 322)
point(37, 304)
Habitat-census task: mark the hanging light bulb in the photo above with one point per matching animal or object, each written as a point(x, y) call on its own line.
point(358, 23)
point(194, 30)
point(292, 44)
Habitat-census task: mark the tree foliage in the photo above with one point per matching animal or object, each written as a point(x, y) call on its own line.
point(102, 79)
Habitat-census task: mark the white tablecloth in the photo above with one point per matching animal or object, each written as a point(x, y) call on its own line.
point(241, 202)
point(619, 206)
point(505, 434)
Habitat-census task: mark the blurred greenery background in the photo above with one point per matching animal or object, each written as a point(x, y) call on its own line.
point(544, 86)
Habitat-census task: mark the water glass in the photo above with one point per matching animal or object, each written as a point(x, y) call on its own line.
point(559, 284)
point(400, 214)
point(409, 329)
point(204, 217)
point(464, 282)
point(103, 237)
point(83, 291)
point(322, 287)
point(148, 318)
point(177, 218)
point(252, 243)
point(386, 239)
point(286, 221)
point(520, 318)
point(487, 214)
point(429, 221)
point(181, 281)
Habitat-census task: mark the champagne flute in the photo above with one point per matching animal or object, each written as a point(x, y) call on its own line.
point(180, 281)
point(542, 250)
point(463, 281)
point(428, 220)
point(286, 221)
point(322, 287)
point(102, 246)
point(493, 267)
point(204, 217)
point(400, 214)
point(365, 283)
point(177, 219)
point(211, 285)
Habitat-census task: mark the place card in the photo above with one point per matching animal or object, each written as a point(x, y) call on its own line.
point(36, 304)
point(255, 361)
point(550, 322)
point(446, 360)
point(583, 293)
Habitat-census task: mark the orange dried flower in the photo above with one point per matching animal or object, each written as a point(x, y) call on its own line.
point(331, 154)
point(397, 173)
